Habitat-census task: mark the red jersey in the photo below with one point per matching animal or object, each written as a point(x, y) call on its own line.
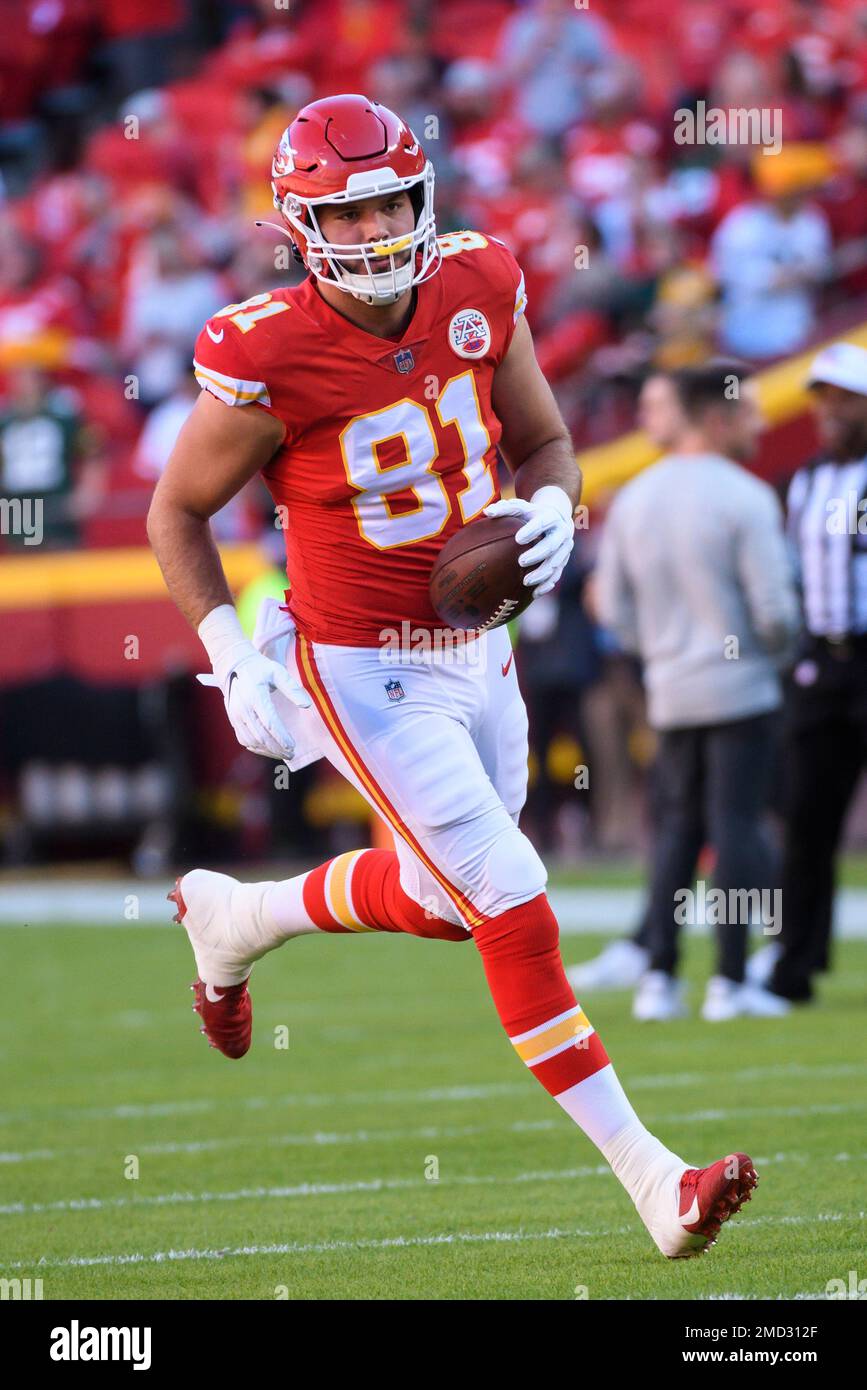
point(390, 444)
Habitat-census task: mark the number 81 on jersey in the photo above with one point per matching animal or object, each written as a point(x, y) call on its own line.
point(410, 422)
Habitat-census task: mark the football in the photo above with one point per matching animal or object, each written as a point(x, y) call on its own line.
point(477, 582)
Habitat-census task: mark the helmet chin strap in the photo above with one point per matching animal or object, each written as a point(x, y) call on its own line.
point(362, 291)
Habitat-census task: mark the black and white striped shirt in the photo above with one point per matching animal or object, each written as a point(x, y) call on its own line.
point(827, 528)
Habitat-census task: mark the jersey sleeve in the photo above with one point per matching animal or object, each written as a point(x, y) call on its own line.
point(224, 366)
point(508, 282)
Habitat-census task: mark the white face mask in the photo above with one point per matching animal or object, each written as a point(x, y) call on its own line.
point(369, 271)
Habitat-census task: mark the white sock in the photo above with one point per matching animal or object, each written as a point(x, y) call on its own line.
point(598, 1105)
point(283, 906)
point(647, 1170)
point(249, 929)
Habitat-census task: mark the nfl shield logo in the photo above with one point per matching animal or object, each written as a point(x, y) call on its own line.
point(404, 360)
point(395, 691)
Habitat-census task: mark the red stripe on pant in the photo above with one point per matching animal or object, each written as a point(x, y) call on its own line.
point(520, 953)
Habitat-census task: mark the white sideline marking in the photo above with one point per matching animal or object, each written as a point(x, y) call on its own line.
point(435, 1094)
point(578, 910)
point(338, 1189)
point(386, 1243)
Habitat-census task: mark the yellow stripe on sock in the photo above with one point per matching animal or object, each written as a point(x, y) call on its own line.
point(338, 895)
point(542, 1042)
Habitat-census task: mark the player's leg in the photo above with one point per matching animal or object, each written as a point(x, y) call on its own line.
point(231, 925)
point(683, 1208)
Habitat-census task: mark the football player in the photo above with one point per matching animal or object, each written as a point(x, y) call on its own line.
point(372, 398)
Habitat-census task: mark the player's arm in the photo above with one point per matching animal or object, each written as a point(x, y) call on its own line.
point(218, 450)
point(535, 440)
point(539, 451)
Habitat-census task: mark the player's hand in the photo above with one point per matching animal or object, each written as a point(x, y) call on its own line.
point(548, 522)
point(248, 680)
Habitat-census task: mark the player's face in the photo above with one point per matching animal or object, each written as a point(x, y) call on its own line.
point(660, 412)
point(368, 220)
point(841, 417)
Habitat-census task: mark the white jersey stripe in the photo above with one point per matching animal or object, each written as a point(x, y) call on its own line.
point(229, 389)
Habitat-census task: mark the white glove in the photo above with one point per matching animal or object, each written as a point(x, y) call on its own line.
point(549, 520)
point(246, 679)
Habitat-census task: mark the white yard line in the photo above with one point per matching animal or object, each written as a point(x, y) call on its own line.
point(339, 1189)
point(304, 1189)
point(318, 1139)
point(373, 1184)
point(579, 910)
point(432, 1095)
point(386, 1243)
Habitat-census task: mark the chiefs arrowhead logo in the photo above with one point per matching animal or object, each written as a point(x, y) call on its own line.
point(284, 159)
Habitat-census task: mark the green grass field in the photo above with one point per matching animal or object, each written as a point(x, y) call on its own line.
point(301, 1170)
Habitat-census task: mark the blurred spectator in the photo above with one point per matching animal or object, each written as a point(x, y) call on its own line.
point(771, 255)
point(140, 40)
point(170, 293)
point(546, 56)
point(43, 315)
point(47, 456)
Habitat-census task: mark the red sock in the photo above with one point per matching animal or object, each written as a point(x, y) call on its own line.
point(360, 891)
point(520, 952)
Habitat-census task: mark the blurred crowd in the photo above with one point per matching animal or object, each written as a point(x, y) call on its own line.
point(135, 147)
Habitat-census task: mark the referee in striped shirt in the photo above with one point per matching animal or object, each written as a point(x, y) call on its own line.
point(826, 712)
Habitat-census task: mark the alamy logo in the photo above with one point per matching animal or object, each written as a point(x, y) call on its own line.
point(717, 907)
point(22, 516)
point(77, 1343)
point(730, 125)
point(20, 1289)
point(838, 1288)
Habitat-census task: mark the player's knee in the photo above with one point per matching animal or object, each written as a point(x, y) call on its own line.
point(514, 871)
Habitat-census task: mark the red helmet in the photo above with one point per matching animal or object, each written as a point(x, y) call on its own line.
point(340, 150)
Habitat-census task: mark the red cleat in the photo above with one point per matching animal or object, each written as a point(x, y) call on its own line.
point(709, 1196)
point(226, 1011)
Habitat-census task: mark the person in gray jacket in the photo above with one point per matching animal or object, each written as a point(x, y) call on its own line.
point(695, 578)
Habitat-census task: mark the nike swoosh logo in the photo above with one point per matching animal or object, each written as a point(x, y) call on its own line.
point(505, 669)
point(213, 998)
point(215, 337)
point(690, 1218)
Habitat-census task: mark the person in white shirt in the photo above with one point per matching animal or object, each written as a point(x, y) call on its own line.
point(770, 256)
point(694, 577)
